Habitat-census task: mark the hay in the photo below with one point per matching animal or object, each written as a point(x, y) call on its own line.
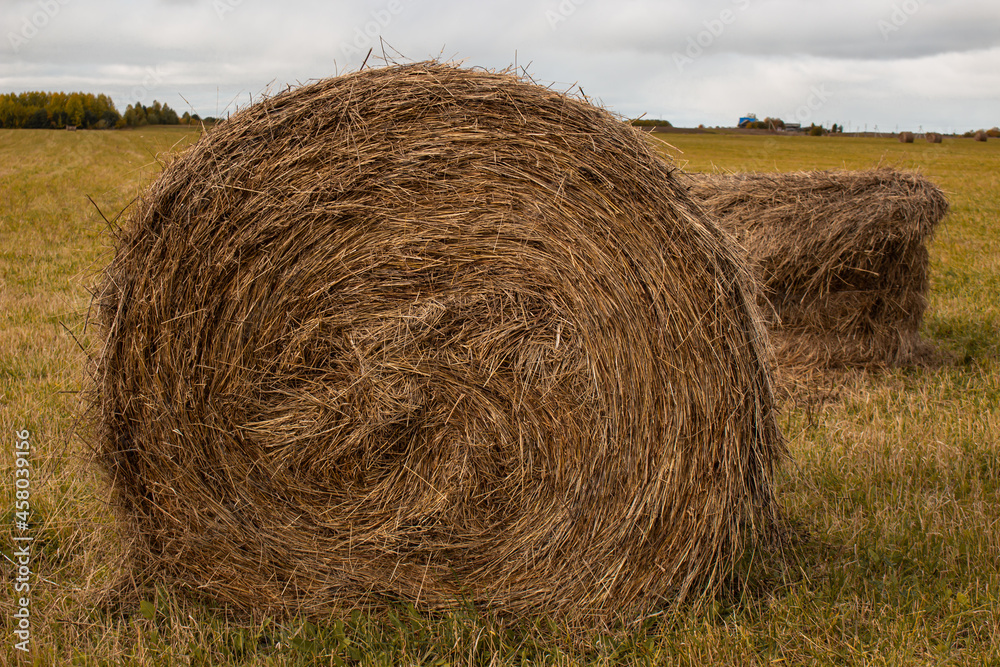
point(980, 135)
point(424, 333)
point(842, 257)
point(934, 138)
point(906, 137)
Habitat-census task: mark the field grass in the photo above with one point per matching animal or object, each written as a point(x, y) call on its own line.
point(892, 488)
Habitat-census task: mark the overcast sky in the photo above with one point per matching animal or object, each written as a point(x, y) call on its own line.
point(906, 64)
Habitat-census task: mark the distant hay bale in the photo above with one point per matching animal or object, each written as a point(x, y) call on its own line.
point(425, 333)
point(841, 255)
point(980, 135)
point(933, 137)
point(906, 137)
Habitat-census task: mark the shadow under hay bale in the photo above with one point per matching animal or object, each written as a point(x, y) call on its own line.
point(841, 256)
point(425, 333)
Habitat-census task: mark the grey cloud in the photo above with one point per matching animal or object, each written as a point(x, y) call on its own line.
point(763, 55)
point(850, 30)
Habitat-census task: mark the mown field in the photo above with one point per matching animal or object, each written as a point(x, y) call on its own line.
point(892, 489)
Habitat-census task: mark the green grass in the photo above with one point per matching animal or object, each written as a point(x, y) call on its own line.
point(893, 485)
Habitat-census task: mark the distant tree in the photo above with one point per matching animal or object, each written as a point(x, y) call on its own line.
point(56, 108)
point(12, 114)
point(153, 113)
point(815, 130)
point(168, 116)
point(74, 109)
point(135, 116)
point(993, 132)
point(39, 118)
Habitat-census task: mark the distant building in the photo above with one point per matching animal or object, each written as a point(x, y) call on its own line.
point(746, 120)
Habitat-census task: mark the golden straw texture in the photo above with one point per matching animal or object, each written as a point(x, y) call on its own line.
point(841, 257)
point(426, 333)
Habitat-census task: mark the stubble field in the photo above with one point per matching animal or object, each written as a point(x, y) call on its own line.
point(892, 489)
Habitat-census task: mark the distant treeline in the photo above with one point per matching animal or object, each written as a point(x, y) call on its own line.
point(156, 114)
point(42, 110)
point(83, 110)
point(651, 122)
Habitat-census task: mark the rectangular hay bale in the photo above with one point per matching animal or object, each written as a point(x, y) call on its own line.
point(840, 256)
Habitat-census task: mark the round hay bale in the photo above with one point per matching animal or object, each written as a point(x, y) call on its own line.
point(934, 137)
point(906, 137)
point(426, 333)
point(980, 135)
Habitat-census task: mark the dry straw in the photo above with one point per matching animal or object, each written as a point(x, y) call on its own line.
point(906, 137)
point(426, 333)
point(842, 257)
point(933, 137)
point(980, 135)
